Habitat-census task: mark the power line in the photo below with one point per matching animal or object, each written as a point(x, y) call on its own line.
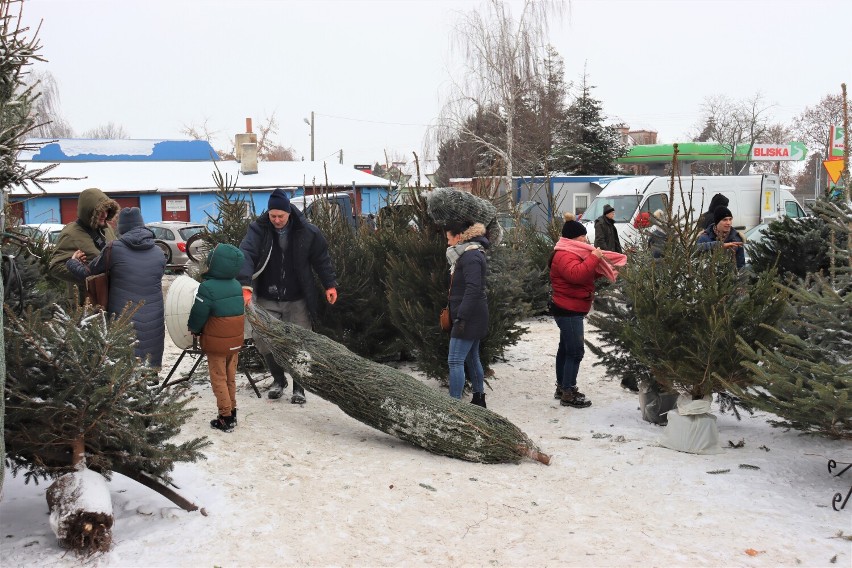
point(372, 121)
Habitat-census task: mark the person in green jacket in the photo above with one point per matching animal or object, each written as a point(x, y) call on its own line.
point(90, 233)
point(217, 316)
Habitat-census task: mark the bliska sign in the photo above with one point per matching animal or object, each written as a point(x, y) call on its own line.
point(794, 152)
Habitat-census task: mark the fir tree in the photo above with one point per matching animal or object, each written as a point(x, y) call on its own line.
point(793, 246)
point(75, 390)
point(807, 380)
point(680, 318)
point(590, 147)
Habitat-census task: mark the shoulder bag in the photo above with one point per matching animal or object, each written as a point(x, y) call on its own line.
point(97, 286)
point(446, 322)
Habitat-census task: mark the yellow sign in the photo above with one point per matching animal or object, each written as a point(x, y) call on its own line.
point(834, 168)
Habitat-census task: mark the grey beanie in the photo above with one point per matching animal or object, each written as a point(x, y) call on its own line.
point(129, 218)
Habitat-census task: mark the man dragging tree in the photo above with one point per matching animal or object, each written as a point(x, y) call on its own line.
point(281, 248)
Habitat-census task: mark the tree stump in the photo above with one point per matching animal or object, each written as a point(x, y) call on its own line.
point(81, 512)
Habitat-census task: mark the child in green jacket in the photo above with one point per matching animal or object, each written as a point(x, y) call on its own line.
point(218, 317)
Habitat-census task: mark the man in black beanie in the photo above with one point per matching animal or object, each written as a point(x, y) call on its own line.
point(281, 249)
point(722, 234)
point(706, 218)
point(606, 235)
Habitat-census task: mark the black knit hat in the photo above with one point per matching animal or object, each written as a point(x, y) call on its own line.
point(129, 218)
point(572, 229)
point(279, 200)
point(608, 208)
point(720, 213)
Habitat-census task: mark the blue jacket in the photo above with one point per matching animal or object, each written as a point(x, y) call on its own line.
point(310, 251)
point(707, 240)
point(136, 267)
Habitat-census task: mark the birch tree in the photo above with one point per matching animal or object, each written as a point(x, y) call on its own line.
point(502, 62)
point(733, 122)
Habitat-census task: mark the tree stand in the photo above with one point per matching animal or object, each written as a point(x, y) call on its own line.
point(194, 350)
point(691, 428)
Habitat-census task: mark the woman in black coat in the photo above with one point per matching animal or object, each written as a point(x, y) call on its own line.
point(468, 306)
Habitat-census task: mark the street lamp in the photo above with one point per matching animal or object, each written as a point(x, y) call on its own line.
point(311, 124)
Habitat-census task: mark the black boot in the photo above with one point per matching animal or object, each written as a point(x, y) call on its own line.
point(279, 380)
point(478, 399)
point(298, 394)
point(223, 423)
point(234, 415)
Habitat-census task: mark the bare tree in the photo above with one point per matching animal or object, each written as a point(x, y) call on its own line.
point(503, 59)
point(199, 131)
point(812, 125)
point(108, 131)
point(46, 111)
point(731, 123)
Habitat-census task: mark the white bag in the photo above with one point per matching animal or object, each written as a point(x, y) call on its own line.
point(693, 434)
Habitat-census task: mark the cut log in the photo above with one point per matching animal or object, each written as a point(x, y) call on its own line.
point(391, 401)
point(81, 512)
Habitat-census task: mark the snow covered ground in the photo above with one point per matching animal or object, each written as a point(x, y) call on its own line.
point(309, 486)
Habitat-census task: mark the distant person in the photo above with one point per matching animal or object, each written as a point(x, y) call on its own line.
point(370, 222)
point(217, 316)
point(606, 235)
point(466, 245)
point(574, 266)
point(136, 268)
point(722, 234)
point(89, 234)
point(657, 235)
point(706, 218)
point(282, 252)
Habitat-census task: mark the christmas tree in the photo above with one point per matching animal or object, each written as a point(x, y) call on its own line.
point(681, 317)
point(807, 379)
point(76, 392)
point(793, 246)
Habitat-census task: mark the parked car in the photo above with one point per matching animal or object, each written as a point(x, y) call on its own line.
point(171, 237)
point(48, 232)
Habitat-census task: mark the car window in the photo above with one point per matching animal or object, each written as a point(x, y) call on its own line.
point(793, 210)
point(624, 205)
point(168, 235)
point(158, 232)
point(655, 202)
point(187, 232)
point(53, 236)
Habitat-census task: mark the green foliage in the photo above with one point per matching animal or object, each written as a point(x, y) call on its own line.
point(807, 379)
point(531, 250)
point(234, 213)
point(793, 246)
point(71, 378)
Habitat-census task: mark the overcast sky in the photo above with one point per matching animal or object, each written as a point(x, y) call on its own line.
point(374, 71)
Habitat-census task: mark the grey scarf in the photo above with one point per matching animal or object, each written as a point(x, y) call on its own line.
point(455, 252)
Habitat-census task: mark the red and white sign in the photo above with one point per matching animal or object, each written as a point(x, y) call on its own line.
point(776, 152)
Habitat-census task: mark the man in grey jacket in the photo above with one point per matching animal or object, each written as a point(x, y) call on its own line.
point(281, 250)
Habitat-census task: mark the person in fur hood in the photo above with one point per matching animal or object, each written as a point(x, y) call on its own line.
point(89, 234)
point(466, 246)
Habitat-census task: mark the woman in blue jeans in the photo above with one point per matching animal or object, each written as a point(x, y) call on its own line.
point(468, 305)
point(574, 265)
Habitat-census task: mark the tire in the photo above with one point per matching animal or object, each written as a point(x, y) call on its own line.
point(167, 251)
point(197, 248)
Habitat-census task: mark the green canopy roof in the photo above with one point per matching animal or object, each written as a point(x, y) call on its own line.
point(688, 151)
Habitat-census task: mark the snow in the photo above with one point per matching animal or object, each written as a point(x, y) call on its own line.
point(309, 486)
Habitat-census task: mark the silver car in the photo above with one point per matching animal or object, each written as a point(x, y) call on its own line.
point(171, 237)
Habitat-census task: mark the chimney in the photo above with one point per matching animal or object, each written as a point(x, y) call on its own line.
point(248, 137)
point(248, 153)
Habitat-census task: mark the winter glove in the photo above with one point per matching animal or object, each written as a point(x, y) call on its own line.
point(331, 295)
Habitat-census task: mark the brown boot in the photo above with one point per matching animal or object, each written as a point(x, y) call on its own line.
point(573, 397)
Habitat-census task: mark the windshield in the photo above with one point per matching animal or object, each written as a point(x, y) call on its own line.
point(625, 206)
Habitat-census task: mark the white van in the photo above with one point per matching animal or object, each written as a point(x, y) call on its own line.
point(753, 199)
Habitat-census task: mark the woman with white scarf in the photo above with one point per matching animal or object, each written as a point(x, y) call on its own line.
point(468, 305)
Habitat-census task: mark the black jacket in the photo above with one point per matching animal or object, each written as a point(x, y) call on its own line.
point(606, 235)
point(468, 300)
point(309, 249)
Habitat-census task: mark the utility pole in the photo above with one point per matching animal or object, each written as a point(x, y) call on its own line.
point(311, 124)
point(341, 156)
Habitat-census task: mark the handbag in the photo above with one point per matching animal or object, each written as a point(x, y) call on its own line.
point(444, 319)
point(97, 286)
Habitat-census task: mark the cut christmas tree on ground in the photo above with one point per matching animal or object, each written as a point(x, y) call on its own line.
point(391, 401)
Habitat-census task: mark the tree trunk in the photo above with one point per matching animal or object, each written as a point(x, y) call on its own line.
point(81, 512)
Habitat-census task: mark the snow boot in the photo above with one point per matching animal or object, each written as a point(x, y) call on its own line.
point(573, 397)
point(298, 394)
point(558, 393)
point(234, 415)
point(223, 423)
point(279, 380)
point(478, 399)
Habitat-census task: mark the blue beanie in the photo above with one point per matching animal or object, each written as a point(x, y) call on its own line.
point(129, 218)
point(279, 200)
